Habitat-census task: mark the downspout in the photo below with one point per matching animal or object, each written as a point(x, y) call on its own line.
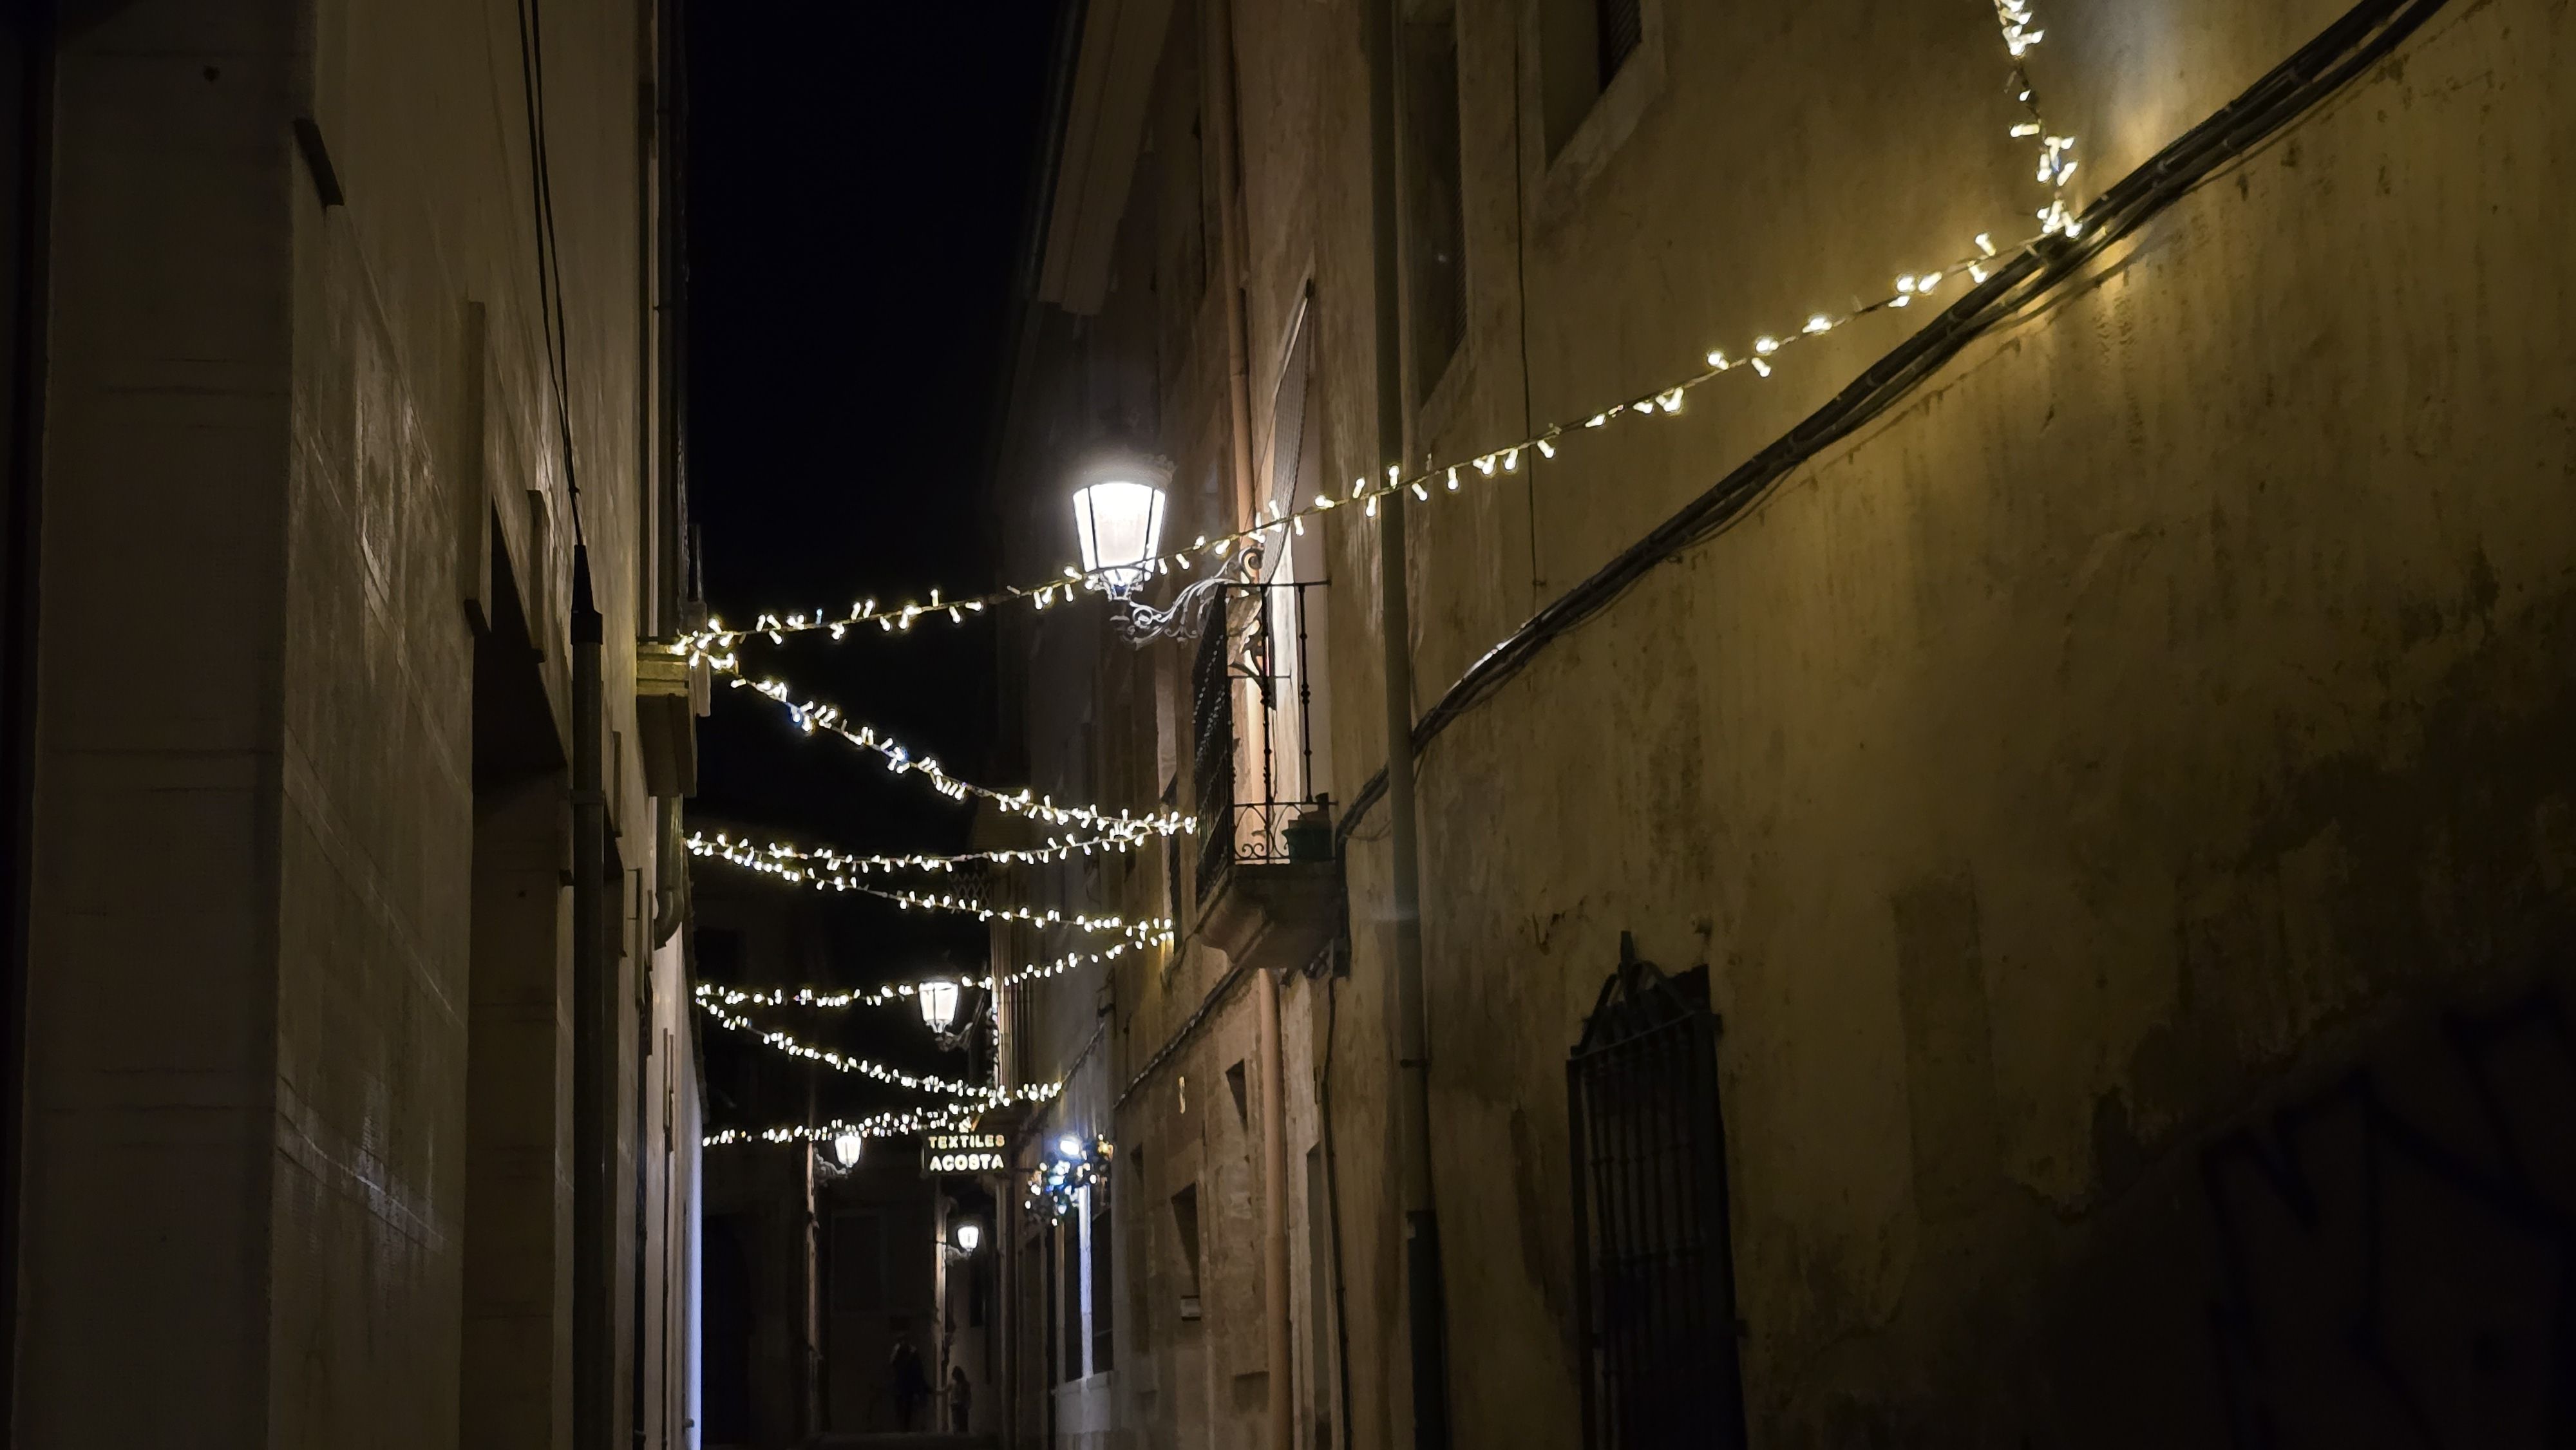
point(1231, 224)
point(1219, 34)
point(21, 530)
point(1274, 1207)
point(1426, 1310)
point(594, 1037)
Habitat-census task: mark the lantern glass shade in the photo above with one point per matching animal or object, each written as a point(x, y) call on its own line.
point(1119, 521)
point(969, 1235)
point(938, 1004)
point(845, 1148)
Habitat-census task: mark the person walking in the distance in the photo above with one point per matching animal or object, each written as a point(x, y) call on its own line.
point(959, 1395)
point(911, 1382)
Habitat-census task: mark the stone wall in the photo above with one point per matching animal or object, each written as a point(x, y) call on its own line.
point(306, 576)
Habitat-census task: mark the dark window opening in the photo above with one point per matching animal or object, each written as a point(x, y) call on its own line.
point(1103, 1294)
point(1583, 45)
point(1623, 29)
point(1435, 219)
point(1655, 1276)
point(858, 1266)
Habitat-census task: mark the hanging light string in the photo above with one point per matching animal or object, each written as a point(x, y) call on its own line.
point(2056, 152)
point(2018, 25)
point(839, 997)
point(858, 1066)
point(1156, 930)
point(715, 645)
point(900, 1124)
point(1056, 849)
point(812, 716)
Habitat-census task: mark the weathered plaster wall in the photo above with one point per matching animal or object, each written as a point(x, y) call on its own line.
point(2158, 704)
point(2143, 728)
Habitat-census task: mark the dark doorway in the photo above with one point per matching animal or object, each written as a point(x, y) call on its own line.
point(725, 1336)
point(517, 1102)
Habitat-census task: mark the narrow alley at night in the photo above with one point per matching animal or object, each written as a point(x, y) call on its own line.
point(1289, 724)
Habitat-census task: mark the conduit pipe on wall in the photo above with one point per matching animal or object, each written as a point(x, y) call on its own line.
point(594, 1038)
point(1221, 70)
point(1426, 1299)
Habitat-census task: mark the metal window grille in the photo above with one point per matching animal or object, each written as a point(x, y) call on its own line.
point(1655, 1276)
point(1212, 747)
point(1623, 29)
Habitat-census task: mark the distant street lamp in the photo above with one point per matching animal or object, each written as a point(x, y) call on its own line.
point(968, 1236)
point(846, 1148)
point(938, 1004)
point(1118, 517)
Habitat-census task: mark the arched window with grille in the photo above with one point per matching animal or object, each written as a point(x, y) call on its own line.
point(1655, 1273)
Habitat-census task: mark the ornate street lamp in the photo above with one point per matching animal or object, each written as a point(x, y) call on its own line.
point(938, 1004)
point(1118, 517)
point(969, 1235)
point(846, 1148)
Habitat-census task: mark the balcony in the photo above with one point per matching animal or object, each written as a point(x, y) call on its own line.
point(1268, 888)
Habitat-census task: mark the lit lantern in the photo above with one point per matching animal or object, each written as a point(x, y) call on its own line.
point(1069, 1148)
point(845, 1148)
point(1118, 517)
point(968, 1236)
point(938, 1004)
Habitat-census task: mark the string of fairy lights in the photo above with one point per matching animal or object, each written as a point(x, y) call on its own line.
point(1056, 849)
point(788, 864)
point(834, 998)
point(814, 716)
point(898, 1123)
point(716, 646)
point(986, 1094)
point(2021, 32)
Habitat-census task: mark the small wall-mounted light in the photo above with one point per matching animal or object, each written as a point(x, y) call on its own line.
point(846, 1148)
point(1069, 1148)
point(969, 1235)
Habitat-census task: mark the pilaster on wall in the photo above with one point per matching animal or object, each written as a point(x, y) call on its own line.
point(148, 1254)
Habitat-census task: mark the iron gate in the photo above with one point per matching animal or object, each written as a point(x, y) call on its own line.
point(1655, 1277)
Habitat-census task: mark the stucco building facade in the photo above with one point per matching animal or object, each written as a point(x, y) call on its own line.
point(2098, 724)
point(352, 1093)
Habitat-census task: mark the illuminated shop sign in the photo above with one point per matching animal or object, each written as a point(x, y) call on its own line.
point(962, 1153)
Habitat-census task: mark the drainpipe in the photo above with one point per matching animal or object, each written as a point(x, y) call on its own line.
point(1426, 1313)
point(1221, 71)
point(643, 1172)
point(1230, 225)
point(1274, 1205)
point(594, 1037)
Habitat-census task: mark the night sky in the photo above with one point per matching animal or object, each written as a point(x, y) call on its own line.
point(860, 180)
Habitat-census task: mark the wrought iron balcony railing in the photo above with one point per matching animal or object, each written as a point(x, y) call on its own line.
point(1253, 757)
